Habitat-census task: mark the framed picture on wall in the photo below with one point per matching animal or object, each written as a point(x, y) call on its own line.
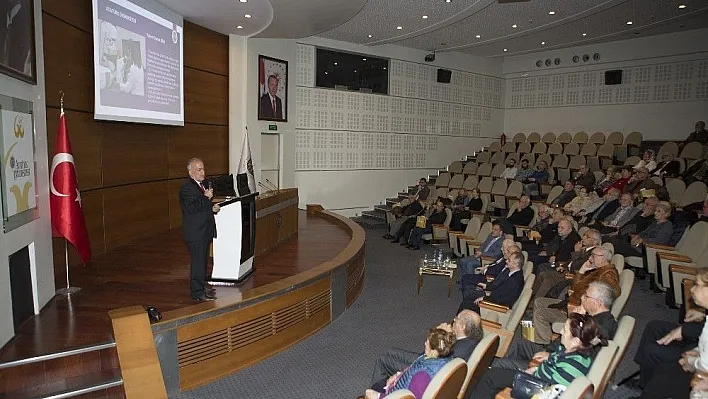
point(17, 51)
point(272, 89)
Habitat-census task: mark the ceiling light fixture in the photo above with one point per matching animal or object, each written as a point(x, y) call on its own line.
point(425, 17)
point(447, 1)
point(239, 27)
point(335, 64)
point(514, 26)
point(399, 27)
point(629, 22)
point(543, 43)
point(682, 6)
point(363, 59)
point(384, 67)
point(551, 13)
point(370, 36)
point(478, 36)
point(243, 1)
point(506, 49)
point(325, 72)
point(585, 34)
point(247, 15)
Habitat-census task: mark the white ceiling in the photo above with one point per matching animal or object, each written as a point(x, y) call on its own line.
point(450, 26)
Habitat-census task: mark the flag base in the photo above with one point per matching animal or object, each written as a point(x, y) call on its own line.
point(68, 291)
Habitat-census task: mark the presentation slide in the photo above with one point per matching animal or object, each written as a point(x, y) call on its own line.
point(138, 62)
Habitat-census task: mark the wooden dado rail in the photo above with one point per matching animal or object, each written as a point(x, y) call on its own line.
point(205, 342)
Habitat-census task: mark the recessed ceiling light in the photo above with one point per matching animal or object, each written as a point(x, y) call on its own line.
point(506, 49)
point(325, 72)
point(629, 22)
point(425, 17)
point(447, 1)
point(239, 27)
point(399, 27)
point(478, 36)
point(355, 71)
point(243, 1)
point(514, 26)
point(682, 6)
point(363, 59)
point(551, 13)
point(370, 36)
point(384, 67)
point(585, 34)
point(335, 64)
point(247, 15)
point(542, 43)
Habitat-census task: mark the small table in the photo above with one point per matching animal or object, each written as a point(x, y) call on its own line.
point(446, 268)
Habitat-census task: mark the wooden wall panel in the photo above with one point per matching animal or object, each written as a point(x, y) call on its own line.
point(133, 155)
point(205, 49)
point(85, 136)
point(206, 97)
point(92, 204)
point(74, 12)
point(173, 201)
point(203, 141)
point(68, 64)
point(134, 211)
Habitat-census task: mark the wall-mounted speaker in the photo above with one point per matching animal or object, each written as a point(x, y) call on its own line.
point(444, 75)
point(613, 77)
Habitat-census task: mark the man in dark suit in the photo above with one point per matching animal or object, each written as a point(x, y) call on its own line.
point(467, 327)
point(504, 290)
point(198, 227)
point(494, 268)
point(271, 106)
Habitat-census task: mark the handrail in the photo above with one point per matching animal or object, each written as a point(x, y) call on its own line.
point(82, 391)
point(56, 355)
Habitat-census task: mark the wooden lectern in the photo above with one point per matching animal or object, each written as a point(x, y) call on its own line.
point(235, 240)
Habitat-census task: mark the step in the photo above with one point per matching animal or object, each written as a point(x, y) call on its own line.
point(70, 373)
point(374, 215)
point(384, 208)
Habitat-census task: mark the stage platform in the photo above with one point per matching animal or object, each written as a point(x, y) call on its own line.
point(154, 271)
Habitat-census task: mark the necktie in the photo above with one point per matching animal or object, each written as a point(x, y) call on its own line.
point(273, 103)
point(201, 186)
point(490, 244)
point(621, 213)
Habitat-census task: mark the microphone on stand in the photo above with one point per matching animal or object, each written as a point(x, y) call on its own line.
point(273, 185)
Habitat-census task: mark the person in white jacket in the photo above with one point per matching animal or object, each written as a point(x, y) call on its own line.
point(510, 171)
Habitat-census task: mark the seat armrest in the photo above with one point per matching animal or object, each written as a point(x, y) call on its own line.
point(493, 307)
point(675, 257)
point(455, 232)
point(488, 258)
point(464, 237)
point(486, 324)
point(673, 268)
point(522, 227)
point(659, 246)
point(440, 226)
point(473, 242)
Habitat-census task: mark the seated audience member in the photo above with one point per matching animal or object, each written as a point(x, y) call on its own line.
point(596, 302)
point(467, 329)
point(510, 171)
point(647, 161)
point(619, 217)
point(543, 218)
point(401, 227)
point(423, 191)
point(475, 203)
point(698, 211)
point(696, 172)
point(436, 216)
point(591, 204)
point(547, 311)
point(699, 134)
point(491, 248)
point(572, 359)
point(566, 195)
point(544, 233)
point(504, 290)
point(638, 182)
point(525, 172)
point(548, 279)
point(604, 184)
point(578, 203)
point(658, 232)
point(493, 269)
point(585, 177)
point(417, 376)
point(414, 208)
point(668, 167)
point(674, 378)
point(522, 216)
point(609, 205)
point(640, 221)
point(460, 210)
point(625, 174)
point(559, 248)
point(532, 185)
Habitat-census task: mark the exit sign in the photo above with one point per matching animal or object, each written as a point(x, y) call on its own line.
point(273, 127)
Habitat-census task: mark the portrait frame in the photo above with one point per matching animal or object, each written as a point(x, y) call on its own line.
point(22, 40)
point(267, 68)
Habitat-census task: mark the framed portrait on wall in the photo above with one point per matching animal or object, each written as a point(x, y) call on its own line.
point(17, 51)
point(272, 89)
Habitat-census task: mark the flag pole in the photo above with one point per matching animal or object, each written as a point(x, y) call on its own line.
point(69, 289)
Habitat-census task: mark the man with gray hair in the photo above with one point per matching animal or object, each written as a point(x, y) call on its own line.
point(198, 227)
point(596, 302)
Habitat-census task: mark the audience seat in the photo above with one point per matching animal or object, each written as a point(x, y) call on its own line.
point(589, 149)
point(597, 138)
point(580, 138)
point(499, 194)
point(680, 270)
point(511, 156)
point(668, 148)
point(676, 188)
point(479, 362)
point(692, 150)
point(688, 248)
point(564, 138)
point(448, 381)
point(539, 148)
point(576, 162)
point(495, 146)
point(534, 137)
point(509, 147)
point(470, 182)
point(626, 282)
point(497, 158)
point(484, 169)
point(470, 232)
point(457, 181)
point(631, 161)
point(506, 330)
point(555, 192)
point(615, 138)
point(524, 148)
point(695, 192)
point(483, 157)
point(401, 394)
point(560, 165)
point(440, 231)
point(549, 138)
point(498, 169)
point(555, 149)
point(622, 338)
point(605, 154)
point(470, 168)
point(470, 244)
point(519, 138)
point(496, 313)
point(572, 149)
point(443, 180)
point(600, 370)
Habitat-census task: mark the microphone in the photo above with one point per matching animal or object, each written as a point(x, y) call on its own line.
point(261, 185)
point(273, 185)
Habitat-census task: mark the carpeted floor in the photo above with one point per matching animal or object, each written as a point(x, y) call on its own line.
point(337, 361)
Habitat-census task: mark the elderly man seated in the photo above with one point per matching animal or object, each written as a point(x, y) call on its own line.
point(504, 290)
point(638, 182)
point(658, 232)
point(566, 195)
point(521, 216)
point(585, 177)
point(547, 311)
point(493, 269)
point(609, 204)
point(552, 278)
point(467, 327)
point(543, 232)
point(640, 221)
point(596, 301)
point(559, 248)
point(619, 217)
point(490, 248)
point(532, 184)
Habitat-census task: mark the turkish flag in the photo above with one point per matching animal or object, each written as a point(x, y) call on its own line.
point(65, 200)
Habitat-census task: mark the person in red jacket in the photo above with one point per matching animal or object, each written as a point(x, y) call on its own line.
point(622, 181)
